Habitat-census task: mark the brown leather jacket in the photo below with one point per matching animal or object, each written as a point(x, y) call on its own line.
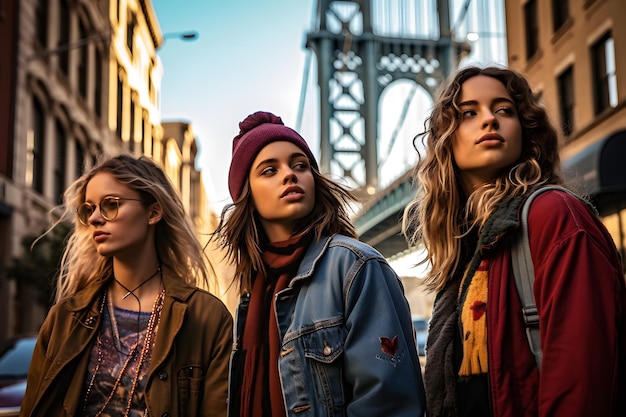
point(188, 373)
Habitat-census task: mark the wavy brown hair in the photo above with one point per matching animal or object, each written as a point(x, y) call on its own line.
point(179, 250)
point(241, 235)
point(440, 214)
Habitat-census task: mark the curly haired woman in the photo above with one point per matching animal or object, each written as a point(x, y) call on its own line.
point(489, 144)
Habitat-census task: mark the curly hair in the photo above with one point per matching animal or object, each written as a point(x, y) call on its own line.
point(440, 214)
point(178, 247)
point(241, 235)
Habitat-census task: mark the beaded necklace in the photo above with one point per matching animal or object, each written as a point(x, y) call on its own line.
point(153, 322)
point(117, 340)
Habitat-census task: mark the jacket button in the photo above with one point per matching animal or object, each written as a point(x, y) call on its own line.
point(327, 350)
point(163, 377)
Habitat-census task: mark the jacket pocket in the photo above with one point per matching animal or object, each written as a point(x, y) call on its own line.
point(190, 380)
point(324, 350)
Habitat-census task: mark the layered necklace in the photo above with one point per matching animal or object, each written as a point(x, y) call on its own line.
point(144, 354)
point(132, 292)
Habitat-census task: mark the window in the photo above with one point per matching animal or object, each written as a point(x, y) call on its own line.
point(37, 145)
point(565, 84)
point(120, 107)
point(532, 28)
point(99, 106)
point(130, 33)
point(83, 56)
point(144, 128)
point(157, 152)
point(150, 86)
point(64, 36)
point(41, 14)
point(131, 136)
point(59, 161)
point(560, 13)
point(80, 159)
point(603, 73)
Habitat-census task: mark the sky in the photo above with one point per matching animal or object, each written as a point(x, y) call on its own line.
point(249, 56)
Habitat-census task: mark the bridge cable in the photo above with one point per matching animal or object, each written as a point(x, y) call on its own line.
point(303, 89)
point(461, 17)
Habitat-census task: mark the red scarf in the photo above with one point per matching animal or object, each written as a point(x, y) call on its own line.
point(261, 392)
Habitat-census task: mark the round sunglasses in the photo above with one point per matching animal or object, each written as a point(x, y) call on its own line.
point(109, 207)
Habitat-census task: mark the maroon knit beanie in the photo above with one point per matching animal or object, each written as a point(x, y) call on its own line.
point(256, 131)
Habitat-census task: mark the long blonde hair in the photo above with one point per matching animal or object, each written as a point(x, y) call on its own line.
point(440, 214)
point(178, 248)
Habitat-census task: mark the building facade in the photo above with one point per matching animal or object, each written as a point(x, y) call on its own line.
point(58, 125)
point(82, 81)
point(574, 53)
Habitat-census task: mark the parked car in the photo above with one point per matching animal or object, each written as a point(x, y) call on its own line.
point(15, 356)
point(421, 333)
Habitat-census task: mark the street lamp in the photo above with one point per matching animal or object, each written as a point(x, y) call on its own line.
point(191, 35)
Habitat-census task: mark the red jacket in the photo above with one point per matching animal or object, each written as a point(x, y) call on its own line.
point(581, 297)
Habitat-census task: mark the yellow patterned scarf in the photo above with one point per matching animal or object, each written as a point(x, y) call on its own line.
point(474, 323)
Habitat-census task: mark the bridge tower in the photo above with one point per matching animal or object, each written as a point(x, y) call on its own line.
point(355, 63)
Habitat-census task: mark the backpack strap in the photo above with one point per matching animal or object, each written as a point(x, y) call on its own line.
point(524, 273)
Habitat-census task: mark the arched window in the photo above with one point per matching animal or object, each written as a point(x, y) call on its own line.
point(130, 33)
point(64, 36)
point(60, 162)
point(36, 146)
point(83, 61)
point(41, 16)
point(131, 135)
point(98, 104)
point(120, 106)
point(80, 158)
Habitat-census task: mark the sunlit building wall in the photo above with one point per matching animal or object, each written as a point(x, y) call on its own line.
point(180, 145)
point(181, 150)
point(135, 116)
point(135, 78)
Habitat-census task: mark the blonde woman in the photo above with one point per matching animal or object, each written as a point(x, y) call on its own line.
point(489, 144)
point(130, 334)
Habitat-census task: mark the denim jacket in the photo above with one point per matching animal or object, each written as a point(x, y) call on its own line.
point(348, 346)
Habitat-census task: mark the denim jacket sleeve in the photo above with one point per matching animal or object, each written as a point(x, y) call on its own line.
point(381, 362)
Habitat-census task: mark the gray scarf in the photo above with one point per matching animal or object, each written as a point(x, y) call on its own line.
point(444, 339)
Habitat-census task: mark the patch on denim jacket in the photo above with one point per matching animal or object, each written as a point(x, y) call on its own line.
point(390, 350)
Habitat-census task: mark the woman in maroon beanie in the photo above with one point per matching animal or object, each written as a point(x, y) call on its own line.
point(323, 327)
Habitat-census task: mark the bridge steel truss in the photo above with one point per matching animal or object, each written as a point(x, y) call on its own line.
point(354, 66)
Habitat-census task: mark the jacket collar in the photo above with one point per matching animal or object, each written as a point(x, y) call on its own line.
point(312, 256)
point(505, 218)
